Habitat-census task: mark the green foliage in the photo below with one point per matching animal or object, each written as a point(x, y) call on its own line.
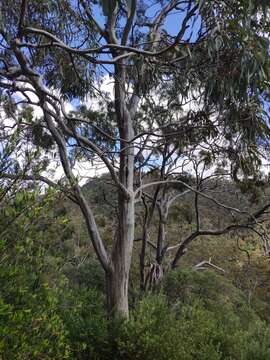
point(84, 315)
point(50, 310)
point(155, 331)
point(30, 326)
point(214, 290)
point(30, 322)
point(88, 275)
point(159, 331)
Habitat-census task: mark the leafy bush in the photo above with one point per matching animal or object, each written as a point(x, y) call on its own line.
point(200, 315)
point(189, 331)
point(214, 291)
point(31, 328)
point(30, 323)
point(84, 315)
point(155, 331)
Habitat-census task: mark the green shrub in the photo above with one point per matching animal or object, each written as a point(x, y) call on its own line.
point(30, 324)
point(201, 315)
point(214, 291)
point(84, 315)
point(155, 331)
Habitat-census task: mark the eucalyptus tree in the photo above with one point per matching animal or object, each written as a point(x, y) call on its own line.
point(56, 52)
point(195, 166)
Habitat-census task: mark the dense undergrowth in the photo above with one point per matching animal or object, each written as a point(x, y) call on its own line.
point(53, 306)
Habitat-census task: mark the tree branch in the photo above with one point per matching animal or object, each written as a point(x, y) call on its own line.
point(200, 266)
point(154, 183)
point(129, 22)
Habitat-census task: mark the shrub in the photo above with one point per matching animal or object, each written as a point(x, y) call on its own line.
point(155, 331)
point(30, 324)
point(85, 318)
